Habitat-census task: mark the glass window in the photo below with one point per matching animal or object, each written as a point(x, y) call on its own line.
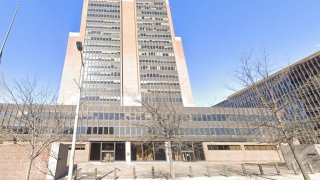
point(202, 131)
point(194, 117)
point(106, 116)
point(105, 130)
point(89, 130)
point(100, 129)
point(199, 117)
point(128, 131)
point(192, 131)
point(95, 116)
point(160, 153)
point(107, 146)
point(117, 116)
point(218, 117)
point(223, 131)
point(101, 116)
point(224, 147)
point(249, 147)
point(122, 131)
point(148, 152)
point(95, 130)
point(79, 147)
point(143, 116)
point(204, 117)
point(111, 116)
point(133, 131)
point(213, 117)
point(111, 130)
point(232, 132)
point(260, 147)
point(207, 131)
point(217, 130)
point(197, 131)
point(121, 116)
point(228, 131)
point(212, 131)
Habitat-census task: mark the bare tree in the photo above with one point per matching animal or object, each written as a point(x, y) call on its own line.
point(276, 94)
point(33, 119)
point(165, 123)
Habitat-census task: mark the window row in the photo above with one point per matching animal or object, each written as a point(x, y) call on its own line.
point(224, 147)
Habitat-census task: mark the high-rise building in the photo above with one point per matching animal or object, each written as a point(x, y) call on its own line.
point(130, 54)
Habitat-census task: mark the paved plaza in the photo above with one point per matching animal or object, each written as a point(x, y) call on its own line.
point(185, 170)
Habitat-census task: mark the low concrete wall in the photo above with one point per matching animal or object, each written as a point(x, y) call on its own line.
point(14, 163)
point(57, 161)
point(307, 153)
point(240, 156)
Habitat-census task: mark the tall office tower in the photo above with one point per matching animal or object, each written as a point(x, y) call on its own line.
point(130, 54)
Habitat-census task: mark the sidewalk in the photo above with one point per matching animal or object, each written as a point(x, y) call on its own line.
point(184, 170)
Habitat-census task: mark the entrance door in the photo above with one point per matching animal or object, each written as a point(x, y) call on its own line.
point(95, 152)
point(120, 152)
point(107, 152)
point(107, 156)
point(188, 156)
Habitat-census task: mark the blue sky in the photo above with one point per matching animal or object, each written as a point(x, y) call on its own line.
point(214, 32)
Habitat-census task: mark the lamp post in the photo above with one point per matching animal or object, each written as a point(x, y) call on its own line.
point(8, 32)
point(76, 118)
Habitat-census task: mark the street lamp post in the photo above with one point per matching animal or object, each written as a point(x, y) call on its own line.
point(8, 32)
point(75, 127)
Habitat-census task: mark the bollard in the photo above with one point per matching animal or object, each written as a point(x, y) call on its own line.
point(208, 171)
point(75, 172)
point(76, 175)
point(134, 173)
point(277, 168)
point(115, 174)
point(311, 168)
point(244, 170)
point(190, 172)
point(152, 171)
point(294, 169)
point(225, 170)
point(95, 173)
point(260, 169)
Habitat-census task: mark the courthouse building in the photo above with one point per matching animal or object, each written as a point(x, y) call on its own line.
point(131, 55)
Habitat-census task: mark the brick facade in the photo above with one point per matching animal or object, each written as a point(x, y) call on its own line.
point(14, 163)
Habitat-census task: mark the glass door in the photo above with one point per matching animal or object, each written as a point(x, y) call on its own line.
point(107, 152)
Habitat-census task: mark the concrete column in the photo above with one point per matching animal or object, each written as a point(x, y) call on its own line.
point(130, 62)
point(128, 152)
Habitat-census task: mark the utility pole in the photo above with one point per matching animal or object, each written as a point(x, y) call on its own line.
point(74, 136)
point(8, 32)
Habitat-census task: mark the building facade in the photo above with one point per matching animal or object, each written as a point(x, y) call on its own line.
point(131, 55)
point(295, 88)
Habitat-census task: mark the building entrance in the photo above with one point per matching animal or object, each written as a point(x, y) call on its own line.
point(107, 151)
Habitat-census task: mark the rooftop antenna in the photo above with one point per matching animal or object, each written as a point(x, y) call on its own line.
point(8, 32)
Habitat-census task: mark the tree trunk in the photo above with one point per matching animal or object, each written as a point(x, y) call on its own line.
point(29, 168)
point(300, 163)
point(169, 150)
